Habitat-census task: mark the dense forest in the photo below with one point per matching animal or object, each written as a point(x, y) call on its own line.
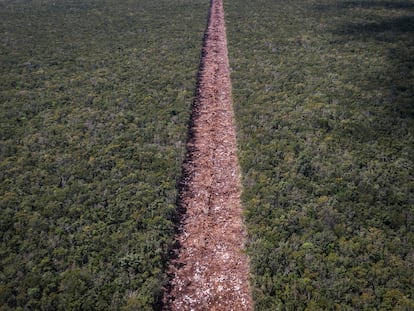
point(95, 99)
point(324, 100)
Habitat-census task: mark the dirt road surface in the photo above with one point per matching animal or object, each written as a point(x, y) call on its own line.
point(211, 272)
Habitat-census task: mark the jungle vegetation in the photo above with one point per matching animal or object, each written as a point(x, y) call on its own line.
point(324, 100)
point(95, 99)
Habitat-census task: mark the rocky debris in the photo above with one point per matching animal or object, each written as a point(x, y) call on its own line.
point(211, 272)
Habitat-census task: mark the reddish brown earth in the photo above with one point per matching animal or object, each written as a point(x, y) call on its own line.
point(211, 272)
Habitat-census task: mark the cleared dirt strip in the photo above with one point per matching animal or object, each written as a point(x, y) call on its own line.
point(211, 272)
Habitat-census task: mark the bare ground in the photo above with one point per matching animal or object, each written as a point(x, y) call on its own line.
point(211, 272)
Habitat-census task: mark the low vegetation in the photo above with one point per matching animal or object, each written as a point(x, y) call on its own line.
point(324, 98)
point(95, 99)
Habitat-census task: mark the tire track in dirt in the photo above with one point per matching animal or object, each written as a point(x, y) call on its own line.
point(210, 271)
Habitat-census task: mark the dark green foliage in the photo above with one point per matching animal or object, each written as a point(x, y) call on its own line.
point(95, 99)
point(324, 98)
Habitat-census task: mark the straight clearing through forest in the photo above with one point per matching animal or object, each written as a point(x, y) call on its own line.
point(211, 272)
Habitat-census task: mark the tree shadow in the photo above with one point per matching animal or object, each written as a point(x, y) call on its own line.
point(392, 33)
point(396, 5)
point(393, 27)
point(378, 4)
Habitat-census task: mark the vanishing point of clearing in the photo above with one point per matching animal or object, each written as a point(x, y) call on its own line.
point(211, 272)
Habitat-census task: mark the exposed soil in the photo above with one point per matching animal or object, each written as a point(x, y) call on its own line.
point(210, 271)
